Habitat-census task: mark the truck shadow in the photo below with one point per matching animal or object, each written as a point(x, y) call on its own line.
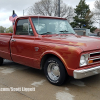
point(12, 66)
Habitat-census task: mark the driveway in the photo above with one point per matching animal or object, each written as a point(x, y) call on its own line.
point(26, 83)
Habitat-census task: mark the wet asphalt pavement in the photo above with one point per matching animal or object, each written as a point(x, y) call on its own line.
point(19, 82)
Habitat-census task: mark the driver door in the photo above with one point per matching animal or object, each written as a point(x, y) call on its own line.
point(22, 43)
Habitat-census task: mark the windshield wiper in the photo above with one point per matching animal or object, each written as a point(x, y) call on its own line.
point(46, 33)
point(63, 31)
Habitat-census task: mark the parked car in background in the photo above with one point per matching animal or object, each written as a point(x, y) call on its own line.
point(93, 34)
point(82, 31)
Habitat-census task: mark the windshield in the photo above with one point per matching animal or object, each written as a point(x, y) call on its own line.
point(45, 26)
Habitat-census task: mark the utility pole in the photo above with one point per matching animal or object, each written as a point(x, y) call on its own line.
point(58, 8)
point(23, 12)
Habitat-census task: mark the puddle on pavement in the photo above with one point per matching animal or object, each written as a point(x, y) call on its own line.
point(36, 84)
point(64, 96)
point(78, 83)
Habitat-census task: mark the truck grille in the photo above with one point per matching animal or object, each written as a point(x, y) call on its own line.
point(95, 54)
point(95, 57)
point(96, 60)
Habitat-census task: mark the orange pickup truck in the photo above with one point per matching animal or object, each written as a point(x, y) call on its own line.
point(49, 43)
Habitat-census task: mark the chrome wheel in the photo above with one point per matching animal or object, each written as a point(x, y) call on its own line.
point(53, 71)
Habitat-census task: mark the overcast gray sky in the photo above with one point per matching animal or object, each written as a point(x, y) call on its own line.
point(6, 7)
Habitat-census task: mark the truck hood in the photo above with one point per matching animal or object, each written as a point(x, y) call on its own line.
point(84, 42)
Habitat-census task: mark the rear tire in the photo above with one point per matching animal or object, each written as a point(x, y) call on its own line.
point(1, 61)
point(55, 71)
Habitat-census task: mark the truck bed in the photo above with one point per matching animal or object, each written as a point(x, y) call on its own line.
point(5, 45)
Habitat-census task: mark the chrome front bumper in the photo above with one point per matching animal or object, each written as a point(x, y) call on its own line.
point(79, 74)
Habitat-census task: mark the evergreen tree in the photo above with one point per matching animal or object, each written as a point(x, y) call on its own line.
point(83, 16)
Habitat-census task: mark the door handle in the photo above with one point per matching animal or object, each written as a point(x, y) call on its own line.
point(13, 40)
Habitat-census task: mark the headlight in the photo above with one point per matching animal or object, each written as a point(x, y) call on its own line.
point(84, 60)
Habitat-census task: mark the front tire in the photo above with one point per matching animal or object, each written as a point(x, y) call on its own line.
point(1, 61)
point(55, 71)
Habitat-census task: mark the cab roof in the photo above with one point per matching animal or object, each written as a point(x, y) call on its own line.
point(39, 16)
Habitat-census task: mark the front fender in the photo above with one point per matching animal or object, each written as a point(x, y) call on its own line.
point(55, 53)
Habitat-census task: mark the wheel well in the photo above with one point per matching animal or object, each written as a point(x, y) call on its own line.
point(45, 58)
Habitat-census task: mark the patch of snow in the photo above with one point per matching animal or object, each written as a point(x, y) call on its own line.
point(36, 84)
point(64, 96)
point(66, 88)
point(10, 70)
point(1, 68)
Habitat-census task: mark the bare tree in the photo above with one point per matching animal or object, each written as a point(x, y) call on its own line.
point(50, 8)
point(97, 5)
point(96, 17)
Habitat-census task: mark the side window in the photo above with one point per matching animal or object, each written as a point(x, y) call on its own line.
point(24, 27)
